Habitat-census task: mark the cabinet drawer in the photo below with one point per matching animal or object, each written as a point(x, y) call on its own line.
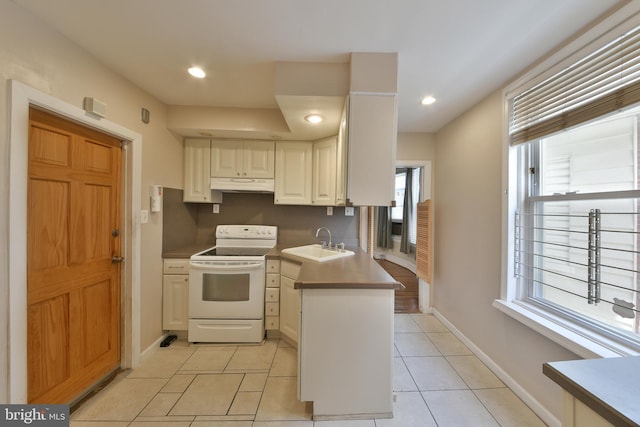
point(272, 295)
point(273, 266)
point(272, 309)
point(272, 322)
point(176, 266)
point(273, 280)
point(289, 269)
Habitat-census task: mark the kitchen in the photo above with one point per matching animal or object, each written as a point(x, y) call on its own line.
point(467, 179)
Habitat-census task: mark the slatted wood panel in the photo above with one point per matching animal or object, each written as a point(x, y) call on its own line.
point(424, 268)
point(73, 289)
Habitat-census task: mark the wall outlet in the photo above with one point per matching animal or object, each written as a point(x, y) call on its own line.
point(348, 211)
point(144, 216)
point(329, 210)
point(216, 208)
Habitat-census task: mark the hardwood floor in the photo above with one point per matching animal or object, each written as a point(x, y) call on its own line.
point(406, 300)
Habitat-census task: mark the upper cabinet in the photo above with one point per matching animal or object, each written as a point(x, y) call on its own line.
point(293, 183)
point(324, 171)
point(373, 127)
point(197, 171)
point(242, 159)
point(341, 159)
point(307, 172)
point(372, 149)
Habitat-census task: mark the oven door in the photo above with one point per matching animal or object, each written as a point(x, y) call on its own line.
point(226, 289)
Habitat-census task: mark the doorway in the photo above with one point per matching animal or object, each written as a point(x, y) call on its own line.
point(396, 250)
point(13, 382)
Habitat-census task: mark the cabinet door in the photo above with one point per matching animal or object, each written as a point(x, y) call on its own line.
point(372, 149)
point(226, 158)
point(341, 160)
point(289, 309)
point(258, 159)
point(175, 302)
point(577, 414)
point(324, 172)
point(293, 173)
point(197, 170)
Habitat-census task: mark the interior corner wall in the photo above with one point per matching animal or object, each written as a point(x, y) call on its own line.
point(467, 252)
point(38, 56)
point(415, 146)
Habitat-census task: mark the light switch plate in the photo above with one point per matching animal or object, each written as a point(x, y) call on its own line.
point(216, 208)
point(329, 210)
point(144, 216)
point(348, 211)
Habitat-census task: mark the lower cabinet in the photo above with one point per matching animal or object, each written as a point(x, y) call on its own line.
point(578, 414)
point(175, 294)
point(272, 297)
point(289, 301)
point(345, 352)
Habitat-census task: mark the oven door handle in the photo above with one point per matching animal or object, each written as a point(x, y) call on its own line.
point(224, 266)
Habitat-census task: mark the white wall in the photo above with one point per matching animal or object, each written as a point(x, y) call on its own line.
point(33, 54)
point(416, 146)
point(467, 251)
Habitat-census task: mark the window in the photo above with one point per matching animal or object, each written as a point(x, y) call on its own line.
point(578, 238)
point(575, 227)
point(398, 212)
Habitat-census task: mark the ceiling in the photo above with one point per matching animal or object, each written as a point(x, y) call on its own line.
point(458, 51)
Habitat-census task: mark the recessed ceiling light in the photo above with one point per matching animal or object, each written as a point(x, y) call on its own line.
point(428, 100)
point(197, 72)
point(314, 118)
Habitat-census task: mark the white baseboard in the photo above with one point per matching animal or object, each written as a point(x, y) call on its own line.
point(541, 411)
point(147, 352)
point(182, 335)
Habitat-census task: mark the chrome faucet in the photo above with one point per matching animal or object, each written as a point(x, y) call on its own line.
point(329, 232)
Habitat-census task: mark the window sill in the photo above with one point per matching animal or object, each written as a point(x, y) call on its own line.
point(569, 335)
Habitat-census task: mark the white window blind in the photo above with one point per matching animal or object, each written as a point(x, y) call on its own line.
point(602, 83)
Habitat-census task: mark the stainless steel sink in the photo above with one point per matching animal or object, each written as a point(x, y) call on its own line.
point(317, 253)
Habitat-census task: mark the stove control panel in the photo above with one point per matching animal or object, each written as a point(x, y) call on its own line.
point(269, 232)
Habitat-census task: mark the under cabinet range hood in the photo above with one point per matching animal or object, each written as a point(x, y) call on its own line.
point(253, 185)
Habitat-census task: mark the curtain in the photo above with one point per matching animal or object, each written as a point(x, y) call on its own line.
point(384, 227)
point(407, 213)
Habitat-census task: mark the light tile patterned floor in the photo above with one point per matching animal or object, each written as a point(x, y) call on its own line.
point(437, 381)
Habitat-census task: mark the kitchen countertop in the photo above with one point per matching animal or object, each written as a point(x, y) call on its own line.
point(610, 386)
point(186, 251)
point(358, 271)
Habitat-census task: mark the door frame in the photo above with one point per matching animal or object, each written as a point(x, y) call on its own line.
point(15, 309)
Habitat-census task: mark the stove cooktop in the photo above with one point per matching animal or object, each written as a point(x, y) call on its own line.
point(220, 251)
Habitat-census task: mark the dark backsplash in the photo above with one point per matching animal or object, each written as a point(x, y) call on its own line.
point(187, 224)
point(179, 221)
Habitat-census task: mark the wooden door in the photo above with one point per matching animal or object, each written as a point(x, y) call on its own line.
point(73, 288)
